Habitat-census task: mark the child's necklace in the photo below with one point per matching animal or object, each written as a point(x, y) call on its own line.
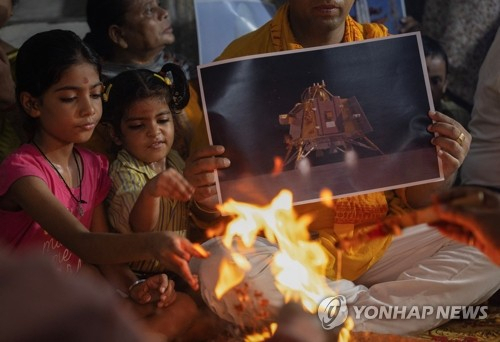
point(79, 202)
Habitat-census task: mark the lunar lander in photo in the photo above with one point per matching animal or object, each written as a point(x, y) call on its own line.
point(323, 122)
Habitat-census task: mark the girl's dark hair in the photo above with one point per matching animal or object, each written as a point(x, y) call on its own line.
point(101, 14)
point(126, 88)
point(44, 57)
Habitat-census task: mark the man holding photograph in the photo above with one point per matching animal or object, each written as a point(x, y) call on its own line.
point(420, 267)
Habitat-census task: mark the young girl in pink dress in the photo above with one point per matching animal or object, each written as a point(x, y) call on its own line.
point(52, 191)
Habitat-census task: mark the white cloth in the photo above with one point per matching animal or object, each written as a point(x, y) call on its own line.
point(482, 165)
point(421, 267)
point(258, 280)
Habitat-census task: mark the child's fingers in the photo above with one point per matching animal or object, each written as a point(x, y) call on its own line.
point(174, 185)
point(141, 294)
point(168, 297)
point(167, 301)
point(158, 282)
point(195, 249)
point(185, 249)
point(185, 272)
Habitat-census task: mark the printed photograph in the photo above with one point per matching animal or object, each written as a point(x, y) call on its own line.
point(349, 118)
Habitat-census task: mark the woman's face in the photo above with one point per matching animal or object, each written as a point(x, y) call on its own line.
point(147, 26)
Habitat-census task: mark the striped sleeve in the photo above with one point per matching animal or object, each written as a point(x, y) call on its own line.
point(127, 187)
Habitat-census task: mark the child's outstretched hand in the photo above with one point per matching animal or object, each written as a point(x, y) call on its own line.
point(157, 288)
point(175, 252)
point(170, 184)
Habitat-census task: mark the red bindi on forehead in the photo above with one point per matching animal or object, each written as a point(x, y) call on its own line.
point(85, 80)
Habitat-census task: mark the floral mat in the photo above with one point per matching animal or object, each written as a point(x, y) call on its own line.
point(468, 330)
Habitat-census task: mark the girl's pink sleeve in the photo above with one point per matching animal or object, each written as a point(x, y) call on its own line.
point(16, 166)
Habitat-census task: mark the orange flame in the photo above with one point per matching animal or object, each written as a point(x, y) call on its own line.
point(231, 273)
point(299, 266)
point(278, 166)
point(326, 196)
point(345, 332)
point(258, 337)
point(215, 230)
point(200, 250)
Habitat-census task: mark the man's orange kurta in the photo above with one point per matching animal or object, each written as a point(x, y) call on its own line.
point(348, 212)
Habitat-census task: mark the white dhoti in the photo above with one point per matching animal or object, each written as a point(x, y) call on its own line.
point(424, 268)
point(420, 268)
